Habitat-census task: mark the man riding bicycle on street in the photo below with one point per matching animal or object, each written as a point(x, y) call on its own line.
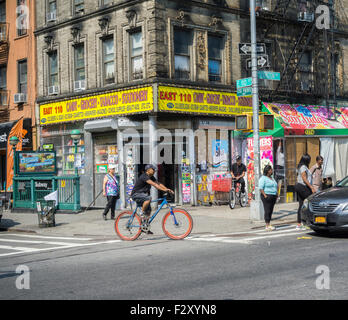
point(238, 172)
point(141, 191)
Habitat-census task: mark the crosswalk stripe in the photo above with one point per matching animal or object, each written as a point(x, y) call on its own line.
point(62, 245)
point(44, 237)
point(226, 238)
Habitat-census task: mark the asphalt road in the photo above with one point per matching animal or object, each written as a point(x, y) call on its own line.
point(257, 265)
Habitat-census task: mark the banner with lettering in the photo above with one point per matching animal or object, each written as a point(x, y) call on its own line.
point(185, 100)
point(104, 105)
point(308, 117)
point(266, 153)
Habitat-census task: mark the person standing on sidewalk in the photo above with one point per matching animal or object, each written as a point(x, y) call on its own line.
point(111, 191)
point(303, 187)
point(317, 173)
point(269, 193)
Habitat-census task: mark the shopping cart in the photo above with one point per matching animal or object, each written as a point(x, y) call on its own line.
point(46, 210)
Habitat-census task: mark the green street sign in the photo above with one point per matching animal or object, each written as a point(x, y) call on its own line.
point(242, 92)
point(246, 82)
point(268, 75)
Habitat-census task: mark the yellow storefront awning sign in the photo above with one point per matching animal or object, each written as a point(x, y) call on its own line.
point(116, 103)
point(194, 101)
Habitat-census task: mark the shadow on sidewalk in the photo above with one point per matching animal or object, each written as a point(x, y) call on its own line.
point(7, 223)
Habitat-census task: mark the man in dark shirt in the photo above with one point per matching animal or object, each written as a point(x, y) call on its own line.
point(141, 190)
point(238, 172)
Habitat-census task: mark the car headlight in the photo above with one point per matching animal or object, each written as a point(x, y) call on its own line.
point(305, 204)
point(345, 208)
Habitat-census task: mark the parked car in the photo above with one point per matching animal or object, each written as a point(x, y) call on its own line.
point(327, 210)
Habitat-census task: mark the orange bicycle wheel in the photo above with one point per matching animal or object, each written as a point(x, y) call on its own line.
point(128, 227)
point(177, 225)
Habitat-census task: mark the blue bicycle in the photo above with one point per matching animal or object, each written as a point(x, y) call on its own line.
point(177, 223)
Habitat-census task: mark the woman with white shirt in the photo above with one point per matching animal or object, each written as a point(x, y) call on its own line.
point(303, 187)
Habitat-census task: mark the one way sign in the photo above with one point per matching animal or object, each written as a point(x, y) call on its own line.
point(262, 61)
point(245, 48)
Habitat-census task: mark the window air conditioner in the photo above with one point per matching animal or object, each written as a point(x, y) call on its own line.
point(51, 16)
point(79, 85)
point(20, 97)
point(52, 90)
point(305, 17)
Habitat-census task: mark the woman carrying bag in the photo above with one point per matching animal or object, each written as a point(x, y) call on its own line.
point(303, 186)
point(110, 191)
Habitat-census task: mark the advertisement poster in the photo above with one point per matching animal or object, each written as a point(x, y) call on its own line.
point(37, 162)
point(220, 154)
point(266, 153)
point(186, 187)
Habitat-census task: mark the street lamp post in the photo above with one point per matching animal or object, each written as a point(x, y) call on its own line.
point(13, 142)
point(256, 212)
point(75, 135)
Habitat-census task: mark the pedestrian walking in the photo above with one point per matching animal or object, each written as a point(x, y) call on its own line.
point(110, 191)
point(269, 194)
point(317, 173)
point(303, 187)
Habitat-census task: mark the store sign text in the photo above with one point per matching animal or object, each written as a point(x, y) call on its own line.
point(199, 101)
point(111, 104)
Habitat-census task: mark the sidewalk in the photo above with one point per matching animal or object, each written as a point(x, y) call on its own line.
point(214, 220)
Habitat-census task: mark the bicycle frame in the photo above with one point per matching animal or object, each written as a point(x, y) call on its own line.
point(164, 202)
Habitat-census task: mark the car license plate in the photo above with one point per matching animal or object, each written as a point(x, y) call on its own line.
point(320, 220)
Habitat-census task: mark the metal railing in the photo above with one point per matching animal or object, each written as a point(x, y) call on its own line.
point(28, 190)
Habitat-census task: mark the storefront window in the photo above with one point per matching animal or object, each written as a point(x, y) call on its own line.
point(67, 159)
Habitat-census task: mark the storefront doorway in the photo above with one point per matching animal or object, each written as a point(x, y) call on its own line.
point(2, 171)
point(105, 154)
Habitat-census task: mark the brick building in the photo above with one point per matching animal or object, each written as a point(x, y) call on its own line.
point(17, 74)
point(118, 70)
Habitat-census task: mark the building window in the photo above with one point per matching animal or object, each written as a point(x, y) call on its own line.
point(3, 86)
point(215, 47)
point(182, 45)
point(22, 21)
point(52, 6)
point(79, 54)
point(305, 67)
point(2, 11)
point(79, 6)
point(106, 2)
point(22, 76)
point(108, 61)
point(136, 50)
point(53, 69)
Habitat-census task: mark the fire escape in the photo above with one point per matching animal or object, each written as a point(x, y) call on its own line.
point(302, 53)
point(4, 95)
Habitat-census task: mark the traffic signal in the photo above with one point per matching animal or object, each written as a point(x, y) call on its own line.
point(266, 122)
point(244, 122)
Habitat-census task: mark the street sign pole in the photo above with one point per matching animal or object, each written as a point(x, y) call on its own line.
point(256, 207)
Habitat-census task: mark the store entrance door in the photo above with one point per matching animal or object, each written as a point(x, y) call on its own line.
point(105, 154)
point(166, 176)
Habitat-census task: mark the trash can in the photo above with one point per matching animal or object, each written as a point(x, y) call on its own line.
point(46, 210)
